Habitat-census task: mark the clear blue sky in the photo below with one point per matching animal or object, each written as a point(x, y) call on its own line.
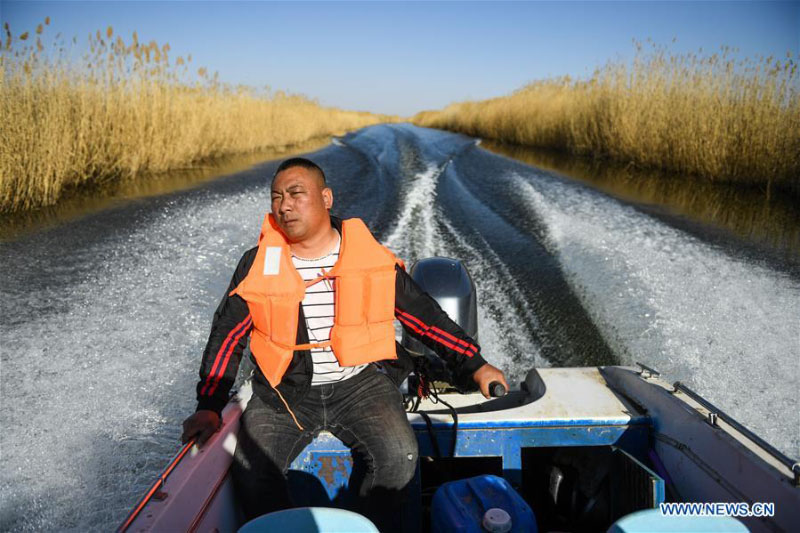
point(401, 58)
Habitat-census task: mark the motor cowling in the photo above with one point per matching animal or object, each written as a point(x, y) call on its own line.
point(448, 282)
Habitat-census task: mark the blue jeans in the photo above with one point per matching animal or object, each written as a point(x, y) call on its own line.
point(365, 412)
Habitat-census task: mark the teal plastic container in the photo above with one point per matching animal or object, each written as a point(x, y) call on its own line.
point(481, 504)
point(310, 519)
point(651, 520)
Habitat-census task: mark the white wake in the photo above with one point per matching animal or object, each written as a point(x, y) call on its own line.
point(727, 327)
point(93, 396)
point(421, 230)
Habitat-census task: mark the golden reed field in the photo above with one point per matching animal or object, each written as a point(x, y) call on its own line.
point(126, 109)
point(709, 116)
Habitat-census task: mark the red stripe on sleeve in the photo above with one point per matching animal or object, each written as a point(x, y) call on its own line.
point(235, 332)
point(454, 338)
point(434, 335)
point(467, 347)
point(443, 332)
point(227, 357)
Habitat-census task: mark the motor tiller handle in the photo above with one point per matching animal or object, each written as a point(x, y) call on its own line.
point(497, 389)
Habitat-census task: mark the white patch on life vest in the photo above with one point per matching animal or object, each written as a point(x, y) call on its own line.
point(272, 260)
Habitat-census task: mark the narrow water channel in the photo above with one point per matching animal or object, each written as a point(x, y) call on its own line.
point(105, 316)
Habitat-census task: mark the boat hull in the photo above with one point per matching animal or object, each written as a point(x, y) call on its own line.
point(644, 432)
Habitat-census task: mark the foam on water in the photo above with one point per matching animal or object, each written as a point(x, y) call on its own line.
point(413, 234)
point(102, 339)
point(727, 327)
point(503, 316)
point(94, 394)
point(421, 230)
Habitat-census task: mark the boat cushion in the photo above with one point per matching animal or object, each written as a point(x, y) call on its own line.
point(310, 520)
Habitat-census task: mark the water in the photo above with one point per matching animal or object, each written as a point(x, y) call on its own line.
point(104, 318)
point(78, 203)
point(764, 220)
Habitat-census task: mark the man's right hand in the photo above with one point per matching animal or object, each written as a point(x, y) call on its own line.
point(202, 425)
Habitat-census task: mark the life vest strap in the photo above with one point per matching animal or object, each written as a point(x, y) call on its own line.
point(312, 345)
point(325, 275)
point(307, 346)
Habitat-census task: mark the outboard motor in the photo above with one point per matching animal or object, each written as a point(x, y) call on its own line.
point(448, 282)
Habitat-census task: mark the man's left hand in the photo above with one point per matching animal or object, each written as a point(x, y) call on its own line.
point(485, 375)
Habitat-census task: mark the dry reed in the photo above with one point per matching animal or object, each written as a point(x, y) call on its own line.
point(123, 110)
point(703, 115)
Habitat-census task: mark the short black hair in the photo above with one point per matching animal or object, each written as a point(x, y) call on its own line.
point(300, 162)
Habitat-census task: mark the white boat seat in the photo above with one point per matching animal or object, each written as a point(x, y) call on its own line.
point(311, 520)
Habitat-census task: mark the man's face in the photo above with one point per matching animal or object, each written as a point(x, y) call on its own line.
point(300, 203)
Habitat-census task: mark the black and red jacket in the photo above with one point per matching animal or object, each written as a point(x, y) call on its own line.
point(419, 314)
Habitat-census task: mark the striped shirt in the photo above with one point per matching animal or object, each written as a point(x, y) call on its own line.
point(318, 310)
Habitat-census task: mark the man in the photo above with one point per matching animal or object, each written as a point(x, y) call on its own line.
point(318, 297)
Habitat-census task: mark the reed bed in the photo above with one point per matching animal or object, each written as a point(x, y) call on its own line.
point(126, 109)
point(710, 116)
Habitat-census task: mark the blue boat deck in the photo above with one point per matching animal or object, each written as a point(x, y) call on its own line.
point(578, 409)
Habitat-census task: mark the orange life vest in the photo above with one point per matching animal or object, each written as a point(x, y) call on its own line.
point(363, 329)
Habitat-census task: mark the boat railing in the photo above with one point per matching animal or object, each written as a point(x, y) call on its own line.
point(715, 413)
point(153, 493)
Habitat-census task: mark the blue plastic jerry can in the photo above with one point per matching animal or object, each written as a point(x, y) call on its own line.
point(481, 504)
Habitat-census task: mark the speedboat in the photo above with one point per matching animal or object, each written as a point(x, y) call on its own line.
point(608, 448)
